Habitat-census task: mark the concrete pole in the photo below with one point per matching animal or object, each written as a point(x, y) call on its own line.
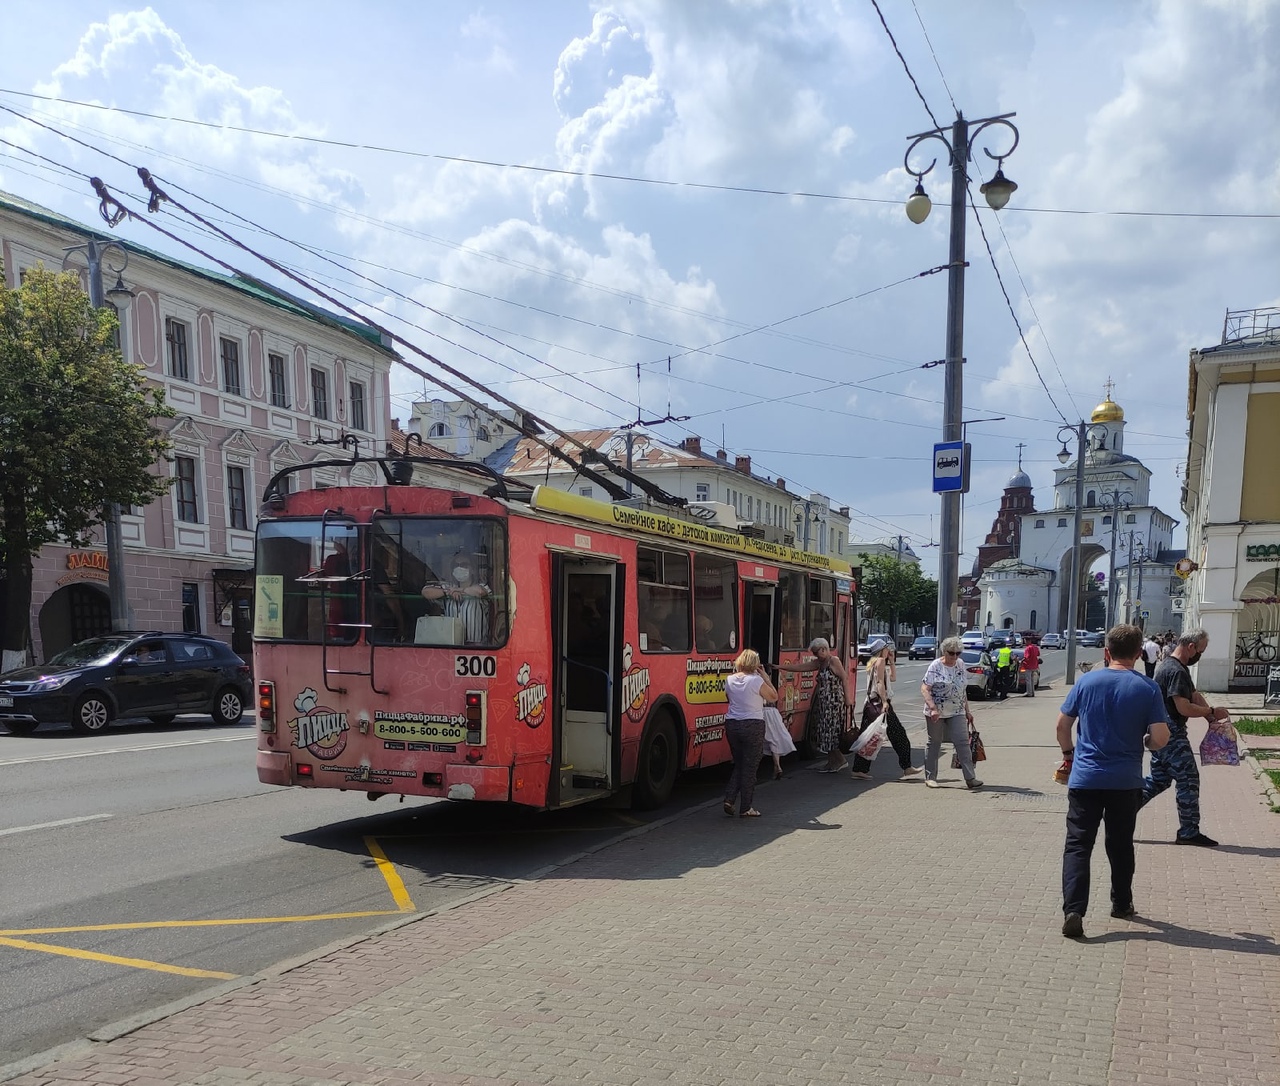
point(1073, 606)
point(953, 398)
point(117, 591)
point(1111, 570)
point(1141, 560)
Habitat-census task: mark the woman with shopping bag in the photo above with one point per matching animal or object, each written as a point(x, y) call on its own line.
point(946, 713)
point(881, 672)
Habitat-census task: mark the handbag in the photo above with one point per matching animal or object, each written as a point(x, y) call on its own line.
point(976, 750)
point(871, 709)
point(1219, 746)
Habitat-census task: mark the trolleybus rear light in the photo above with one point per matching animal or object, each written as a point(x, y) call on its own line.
point(267, 706)
point(304, 770)
point(475, 717)
point(433, 780)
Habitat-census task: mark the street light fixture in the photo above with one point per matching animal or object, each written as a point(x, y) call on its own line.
point(997, 192)
point(94, 252)
point(1081, 433)
point(1114, 501)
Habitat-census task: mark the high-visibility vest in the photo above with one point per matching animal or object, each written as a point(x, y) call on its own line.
point(1004, 657)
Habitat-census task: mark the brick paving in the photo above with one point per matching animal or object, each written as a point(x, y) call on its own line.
point(864, 932)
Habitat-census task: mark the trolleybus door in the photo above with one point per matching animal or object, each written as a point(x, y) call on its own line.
point(759, 610)
point(588, 695)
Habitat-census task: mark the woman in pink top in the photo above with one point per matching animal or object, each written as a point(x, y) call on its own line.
point(748, 690)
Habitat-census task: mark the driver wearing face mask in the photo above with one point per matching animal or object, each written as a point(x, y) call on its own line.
point(1176, 762)
point(466, 598)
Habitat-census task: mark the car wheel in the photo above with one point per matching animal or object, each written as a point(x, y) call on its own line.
point(162, 719)
point(92, 714)
point(21, 727)
point(228, 706)
point(659, 763)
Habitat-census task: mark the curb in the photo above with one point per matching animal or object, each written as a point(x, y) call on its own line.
point(1263, 777)
point(125, 1026)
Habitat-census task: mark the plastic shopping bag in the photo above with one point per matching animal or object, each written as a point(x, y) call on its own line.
point(868, 744)
point(777, 740)
point(1219, 747)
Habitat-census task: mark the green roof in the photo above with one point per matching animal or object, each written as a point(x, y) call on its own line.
point(244, 284)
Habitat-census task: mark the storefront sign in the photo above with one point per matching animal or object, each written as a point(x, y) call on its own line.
point(1262, 552)
point(86, 566)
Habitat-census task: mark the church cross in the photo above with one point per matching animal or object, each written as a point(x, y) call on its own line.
point(1020, 446)
point(1109, 386)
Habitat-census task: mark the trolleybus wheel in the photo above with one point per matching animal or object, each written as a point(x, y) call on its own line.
point(659, 763)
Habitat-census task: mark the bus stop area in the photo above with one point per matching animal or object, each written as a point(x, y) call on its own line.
point(860, 931)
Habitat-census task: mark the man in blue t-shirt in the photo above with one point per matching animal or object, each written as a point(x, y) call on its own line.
point(1119, 714)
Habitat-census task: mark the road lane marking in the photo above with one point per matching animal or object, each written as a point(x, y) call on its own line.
point(123, 750)
point(394, 883)
point(54, 825)
point(113, 959)
point(138, 925)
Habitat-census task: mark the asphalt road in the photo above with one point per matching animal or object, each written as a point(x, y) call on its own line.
point(141, 866)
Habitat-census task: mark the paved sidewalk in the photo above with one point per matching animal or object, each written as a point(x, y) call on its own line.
point(860, 932)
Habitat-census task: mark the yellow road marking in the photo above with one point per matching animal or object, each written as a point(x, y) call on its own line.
point(140, 924)
point(112, 959)
point(394, 883)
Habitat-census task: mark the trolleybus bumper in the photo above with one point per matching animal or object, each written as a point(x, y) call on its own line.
point(275, 767)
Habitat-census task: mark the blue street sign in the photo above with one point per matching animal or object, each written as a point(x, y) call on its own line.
point(950, 467)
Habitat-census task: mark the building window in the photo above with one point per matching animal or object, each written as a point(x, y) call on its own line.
point(230, 351)
point(1039, 523)
point(1131, 518)
point(439, 429)
point(703, 492)
point(1033, 620)
point(117, 339)
point(279, 387)
point(1062, 522)
point(1091, 498)
point(319, 394)
point(585, 491)
point(482, 433)
point(190, 608)
point(184, 470)
point(1106, 519)
point(356, 397)
point(175, 334)
point(237, 506)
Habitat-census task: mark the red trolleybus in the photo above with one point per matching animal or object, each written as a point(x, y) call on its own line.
point(522, 646)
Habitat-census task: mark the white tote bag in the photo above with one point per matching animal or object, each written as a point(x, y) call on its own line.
point(868, 744)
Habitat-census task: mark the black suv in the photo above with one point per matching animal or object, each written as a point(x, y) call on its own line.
point(153, 675)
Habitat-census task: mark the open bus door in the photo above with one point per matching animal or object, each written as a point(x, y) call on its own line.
point(587, 741)
point(761, 624)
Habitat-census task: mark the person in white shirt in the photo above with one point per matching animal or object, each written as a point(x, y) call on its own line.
point(946, 713)
point(747, 689)
point(1150, 655)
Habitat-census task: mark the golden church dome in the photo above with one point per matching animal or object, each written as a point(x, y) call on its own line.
point(1107, 411)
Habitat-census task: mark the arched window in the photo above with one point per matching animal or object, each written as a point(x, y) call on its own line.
point(1091, 498)
point(439, 429)
point(1008, 624)
point(1033, 620)
point(482, 433)
point(988, 618)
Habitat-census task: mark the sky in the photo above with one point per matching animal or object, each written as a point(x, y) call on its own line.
point(549, 196)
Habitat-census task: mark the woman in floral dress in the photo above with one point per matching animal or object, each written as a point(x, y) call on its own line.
point(832, 694)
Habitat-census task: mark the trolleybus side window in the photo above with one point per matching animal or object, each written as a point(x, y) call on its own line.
point(662, 599)
point(715, 594)
point(793, 593)
point(438, 581)
point(308, 577)
point(822, 610)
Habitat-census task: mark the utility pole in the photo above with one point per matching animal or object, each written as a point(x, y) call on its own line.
point(117, 591)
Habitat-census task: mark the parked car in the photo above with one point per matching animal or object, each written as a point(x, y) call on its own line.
point(1052, 641)
point(981, 674)
point(973, 639)
point(923, 648)
point(1095, 639)
point(153, 675)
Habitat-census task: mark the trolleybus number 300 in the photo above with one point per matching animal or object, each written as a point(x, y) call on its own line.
point(476, 666)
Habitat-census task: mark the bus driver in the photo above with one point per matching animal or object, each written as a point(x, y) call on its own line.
point(465, 598)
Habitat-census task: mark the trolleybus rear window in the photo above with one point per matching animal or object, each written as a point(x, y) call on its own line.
point(308, 581)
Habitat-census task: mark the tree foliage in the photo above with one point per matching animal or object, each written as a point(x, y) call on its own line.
point(897, 591)
point(77, 429)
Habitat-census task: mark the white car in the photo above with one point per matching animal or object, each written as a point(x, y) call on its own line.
point(1051, 641)
point(973, 639)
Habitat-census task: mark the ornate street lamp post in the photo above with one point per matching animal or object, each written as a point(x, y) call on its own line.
point(997, 192)
point(1081, 433)
point(1114, 501)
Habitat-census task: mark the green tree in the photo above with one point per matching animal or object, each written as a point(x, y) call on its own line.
point(77, 431)
point(896, 591)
